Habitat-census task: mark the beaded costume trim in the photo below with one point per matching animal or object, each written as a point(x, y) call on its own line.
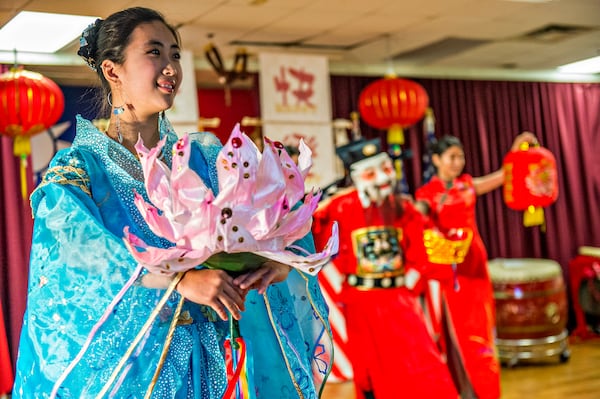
point(66, 174)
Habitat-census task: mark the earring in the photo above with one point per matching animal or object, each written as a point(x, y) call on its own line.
point(116, 111)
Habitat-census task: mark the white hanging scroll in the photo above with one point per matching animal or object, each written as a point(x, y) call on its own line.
point(294, 88)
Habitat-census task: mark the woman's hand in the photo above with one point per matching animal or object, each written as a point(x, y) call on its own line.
point(268, 273)
point(525, 137)
point(214, 288)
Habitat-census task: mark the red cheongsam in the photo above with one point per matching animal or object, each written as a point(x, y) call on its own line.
point(391, 351)
point(471, 307)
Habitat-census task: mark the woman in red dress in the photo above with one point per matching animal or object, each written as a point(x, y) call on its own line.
point(450, 197)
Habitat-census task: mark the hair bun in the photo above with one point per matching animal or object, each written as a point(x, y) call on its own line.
point(87, 43)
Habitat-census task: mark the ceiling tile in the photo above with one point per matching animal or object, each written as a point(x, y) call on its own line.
point(361, 35)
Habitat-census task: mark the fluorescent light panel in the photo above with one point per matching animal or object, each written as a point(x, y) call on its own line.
point(590, 65)
point(42, 32)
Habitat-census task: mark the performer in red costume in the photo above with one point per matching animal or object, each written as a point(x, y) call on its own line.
point(382, 257)
point(450, 197)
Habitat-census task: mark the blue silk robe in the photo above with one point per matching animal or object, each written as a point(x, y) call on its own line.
point(79, 264)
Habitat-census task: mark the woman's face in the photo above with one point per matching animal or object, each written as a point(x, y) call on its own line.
point(151, 73)
point(450, 163)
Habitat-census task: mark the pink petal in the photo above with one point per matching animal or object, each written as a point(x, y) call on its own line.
point(156, 173)
point(312, 263)
point(236, 167)
point(159, 224)
point(187, 188)
point(163, 260)
point(294, 183)
point(297, 224)
point(304, 159)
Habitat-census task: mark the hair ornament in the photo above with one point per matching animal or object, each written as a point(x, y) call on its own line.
point(87, 44)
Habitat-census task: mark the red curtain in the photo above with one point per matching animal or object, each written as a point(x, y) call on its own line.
point(15, 241)
point(6, 372)
point(244, 102)
point(486, 116)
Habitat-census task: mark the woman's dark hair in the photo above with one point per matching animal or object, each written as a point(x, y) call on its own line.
point(445, 142)
point(107, 39)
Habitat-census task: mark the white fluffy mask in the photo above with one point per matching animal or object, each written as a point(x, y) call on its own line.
point(374, 178)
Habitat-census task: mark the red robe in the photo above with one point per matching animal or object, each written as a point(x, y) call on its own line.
point(391, 351)
point(472, 307)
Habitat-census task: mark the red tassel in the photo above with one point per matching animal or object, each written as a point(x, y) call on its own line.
point(234, 364)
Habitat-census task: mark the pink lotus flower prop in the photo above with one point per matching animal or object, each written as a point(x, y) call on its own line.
point(260, 210)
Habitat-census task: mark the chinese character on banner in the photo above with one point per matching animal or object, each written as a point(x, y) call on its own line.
point(294, 88)
point(295, 100)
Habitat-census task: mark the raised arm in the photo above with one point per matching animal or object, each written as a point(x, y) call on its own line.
point(485, 184)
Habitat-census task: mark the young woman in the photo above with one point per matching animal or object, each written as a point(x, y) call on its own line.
point(450, 197)
point(79, 263)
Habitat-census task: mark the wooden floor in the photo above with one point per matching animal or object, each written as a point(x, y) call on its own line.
point(578, 378)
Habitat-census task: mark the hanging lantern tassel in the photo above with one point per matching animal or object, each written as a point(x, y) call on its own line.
point(534, 216)
point(395, 135)
point(22, 149)
point(239, 364)
point(395, 139)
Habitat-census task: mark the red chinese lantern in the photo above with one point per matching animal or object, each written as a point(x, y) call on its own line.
point(392, 103)
point(530, 182)
point(29, 104)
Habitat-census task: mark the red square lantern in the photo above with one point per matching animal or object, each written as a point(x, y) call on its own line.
point(530, 182)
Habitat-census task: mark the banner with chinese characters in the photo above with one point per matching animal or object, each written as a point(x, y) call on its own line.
point(318, 139)
point(294, 88)
point(295, 100)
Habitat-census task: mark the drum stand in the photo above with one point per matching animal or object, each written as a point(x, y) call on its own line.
point(510, 351)
point(582, 267)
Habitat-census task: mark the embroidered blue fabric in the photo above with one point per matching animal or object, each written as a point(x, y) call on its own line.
point(79, 263)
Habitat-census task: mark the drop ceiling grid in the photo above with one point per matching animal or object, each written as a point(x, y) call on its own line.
point(180, 11)
point(83, 7)
point(494, 55)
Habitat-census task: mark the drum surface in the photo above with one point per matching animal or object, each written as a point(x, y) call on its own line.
point(589, 251)
point(530, 298)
